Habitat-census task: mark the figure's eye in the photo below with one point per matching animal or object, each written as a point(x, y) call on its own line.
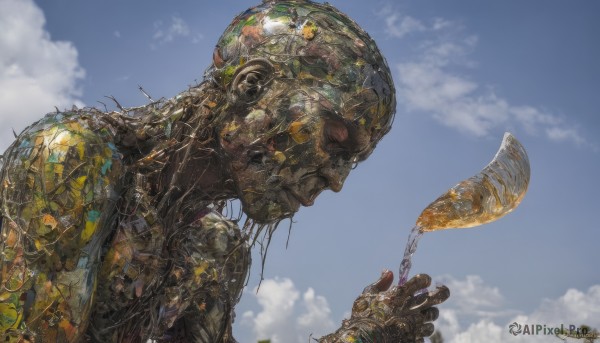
point(256, 157)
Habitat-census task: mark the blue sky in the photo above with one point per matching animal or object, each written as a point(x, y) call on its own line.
point(465, 72)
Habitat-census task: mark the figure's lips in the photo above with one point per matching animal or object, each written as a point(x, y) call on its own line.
point(292, 201)
point(313, 186)
point(305, 201)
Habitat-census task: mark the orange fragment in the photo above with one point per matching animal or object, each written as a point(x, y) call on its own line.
point(49, 220)
point(11, 240)
point(69, 329)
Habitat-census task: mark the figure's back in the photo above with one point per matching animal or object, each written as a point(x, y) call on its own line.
point(59, 190)
point(85, 256)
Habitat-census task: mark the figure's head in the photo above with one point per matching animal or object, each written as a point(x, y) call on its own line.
point(308, 96)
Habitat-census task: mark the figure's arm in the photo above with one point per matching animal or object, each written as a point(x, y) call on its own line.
point(57, 200)
point(210, 267)
point(400, 314)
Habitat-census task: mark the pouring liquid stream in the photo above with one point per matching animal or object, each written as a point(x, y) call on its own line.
point(411, 246)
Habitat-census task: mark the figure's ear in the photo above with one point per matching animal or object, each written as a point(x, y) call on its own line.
point(249, 81)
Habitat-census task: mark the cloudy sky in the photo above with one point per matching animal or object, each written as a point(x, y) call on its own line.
point(466, 71)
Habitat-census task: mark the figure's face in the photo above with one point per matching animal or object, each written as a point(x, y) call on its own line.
point(291, 145)
point(308, 95)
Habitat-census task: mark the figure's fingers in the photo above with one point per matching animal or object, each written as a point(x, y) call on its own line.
point(427, 329)
point(418, 301)
point(429, 299)
point(384, 282)
point(416, 283)
point(439, 295)
point(430, 314)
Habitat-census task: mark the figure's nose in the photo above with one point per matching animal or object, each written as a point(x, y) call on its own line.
point(335, 177)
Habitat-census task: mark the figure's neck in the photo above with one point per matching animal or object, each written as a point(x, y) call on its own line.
point(188, 107)
point(183, 147)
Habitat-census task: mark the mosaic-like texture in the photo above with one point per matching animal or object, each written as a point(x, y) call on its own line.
point(112, 222)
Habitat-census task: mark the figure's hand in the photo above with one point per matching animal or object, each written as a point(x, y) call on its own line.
point(397, 314)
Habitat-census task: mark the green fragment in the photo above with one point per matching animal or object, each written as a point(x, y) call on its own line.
point(228, 73)
point(53, 158)
point(106, 166)
point(168, 130)
point(250, 21)
point(93, 215)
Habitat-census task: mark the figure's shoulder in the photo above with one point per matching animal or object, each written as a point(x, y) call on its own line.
point(63, 141)
point(61, 175)
point(74, 126)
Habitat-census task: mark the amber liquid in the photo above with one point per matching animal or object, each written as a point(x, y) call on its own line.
point(491, 194)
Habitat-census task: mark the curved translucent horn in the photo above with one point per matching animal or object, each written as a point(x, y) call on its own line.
point(485, 197)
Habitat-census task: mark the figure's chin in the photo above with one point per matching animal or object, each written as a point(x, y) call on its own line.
point(267, 211)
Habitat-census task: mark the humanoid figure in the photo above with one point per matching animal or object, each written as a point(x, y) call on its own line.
point(111, 222)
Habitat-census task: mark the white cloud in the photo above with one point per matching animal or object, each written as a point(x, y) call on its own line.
point(474, 313)
point(117, 34)
point(430, 82)
point(483, 331)
point(281, 319)
point(564, 134)
point(177, 28)
point(398, 25)
point(441, 24)
point(277, 299)
point(36, 72)
point(447, 323)
point(317, 318)
point(449, 98)
point(531, 118)
point(574, 307)
point(472, 295)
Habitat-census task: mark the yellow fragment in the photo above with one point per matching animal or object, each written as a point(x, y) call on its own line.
point(298, 133)
point(79, 182)
point(201, 268)
point(309, 30)
point(90, 228)
point(231, 127)
point(81, 150)
point(279, 157)
point(10, 318)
